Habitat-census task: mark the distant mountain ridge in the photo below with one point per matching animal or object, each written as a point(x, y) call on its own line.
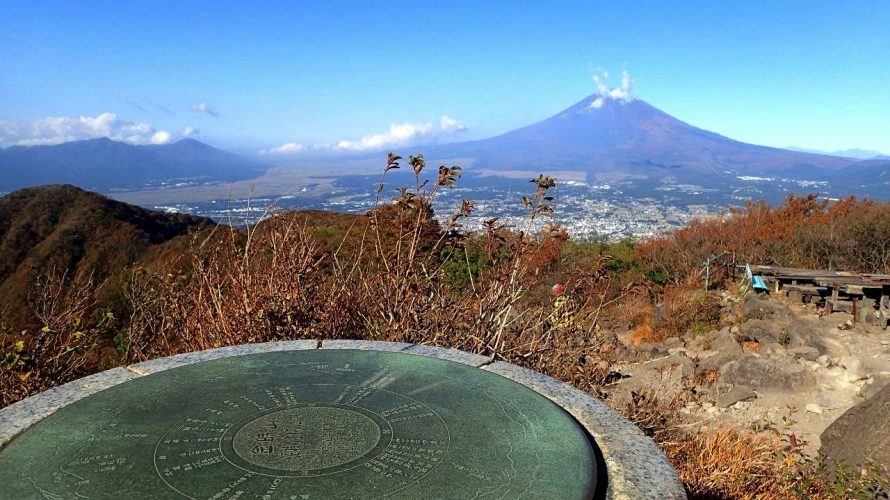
point(631, 137)
point(103, 164)
point(859, 154)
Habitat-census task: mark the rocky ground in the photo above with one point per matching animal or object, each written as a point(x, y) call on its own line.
point(780, 365)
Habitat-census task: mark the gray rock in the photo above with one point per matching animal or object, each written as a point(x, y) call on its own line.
point(805, 332)
point(677, 363)
point(734, 395)
point(861, 433)
point(813, 408)
point(671, 343)
point(625, 353)
point(805, 352)
point(695, 345)
point(763, 330)
point(720, 357)
point(776, 373)
point(874, 385)
point(743, 405)
point(647, 349)
point(725, 343)
point(761, 307)
point(773, 348)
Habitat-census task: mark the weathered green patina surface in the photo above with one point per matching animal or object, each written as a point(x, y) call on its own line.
point(311, 424)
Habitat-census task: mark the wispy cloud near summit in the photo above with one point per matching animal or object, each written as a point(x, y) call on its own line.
point(623, 93)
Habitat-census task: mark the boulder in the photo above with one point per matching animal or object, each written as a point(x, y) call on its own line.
point(677, 363)
point(625, 353)
point(648, 350)
point(874, 384)
point(723, 350)
point(862, 433)
point(773, 373)
point(761, 307)
point(805, 332)
point(814, 408)
point(763, 330)
point(734, 395)
point(670, 343)
point(725, 342)
point(773, 348)
point(805, 352)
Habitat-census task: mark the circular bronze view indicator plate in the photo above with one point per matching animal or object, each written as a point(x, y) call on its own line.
point(314, 424)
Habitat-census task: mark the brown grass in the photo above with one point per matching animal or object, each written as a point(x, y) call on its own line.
point(682, 310)
point(685, 309)
point(729, 464)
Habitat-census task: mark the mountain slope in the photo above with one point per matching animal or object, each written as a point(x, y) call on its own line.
point(631, 137)
point(62, 227)
point(103, 164)
point(865, 178)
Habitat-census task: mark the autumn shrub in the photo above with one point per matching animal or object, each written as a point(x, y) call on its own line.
point(61, 349)
point(804, 231)
point(683, 310)
point(641, 320)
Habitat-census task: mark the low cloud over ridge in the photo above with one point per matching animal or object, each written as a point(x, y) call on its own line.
point(288, 148)
point(59, 129)
point(398, 135)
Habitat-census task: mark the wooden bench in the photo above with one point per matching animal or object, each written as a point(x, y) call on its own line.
point(804, 293)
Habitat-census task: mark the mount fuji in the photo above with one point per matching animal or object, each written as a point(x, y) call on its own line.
point(608, 137)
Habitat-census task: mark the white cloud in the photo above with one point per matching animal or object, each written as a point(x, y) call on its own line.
point(622, 93)
point(190, 131)
point(450, 125)
point(8, 129)
point(59, 129)
point(203, 107)
point(406, 134)
point(161, 137)
point(398, 135)
point(285, 149)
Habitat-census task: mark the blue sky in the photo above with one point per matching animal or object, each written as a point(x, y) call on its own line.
point(250, 77)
